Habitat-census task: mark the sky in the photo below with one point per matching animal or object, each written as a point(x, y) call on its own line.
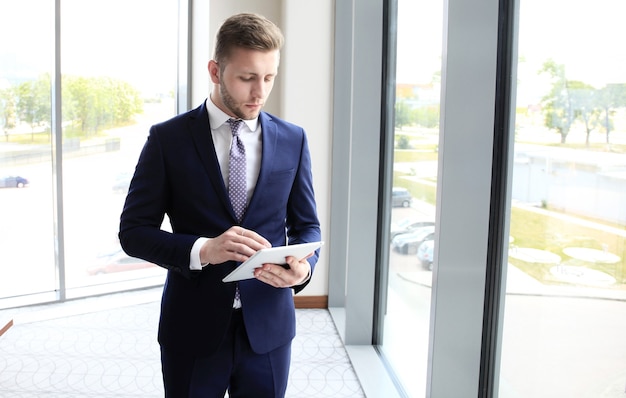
point(585, 36)
point(419, 40)
point(135, 40)
point(132, 40)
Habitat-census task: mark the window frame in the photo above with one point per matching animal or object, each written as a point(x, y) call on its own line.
point(473, 121)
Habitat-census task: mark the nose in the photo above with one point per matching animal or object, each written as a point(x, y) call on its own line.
point(261, 89)
point(258, 89)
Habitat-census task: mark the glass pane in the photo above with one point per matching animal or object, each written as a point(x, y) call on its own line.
point(119, 77)
point(26, 224)
point(407, 316)
point(566, 293)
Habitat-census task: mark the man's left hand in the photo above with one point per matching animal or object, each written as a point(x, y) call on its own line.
point(278, 276)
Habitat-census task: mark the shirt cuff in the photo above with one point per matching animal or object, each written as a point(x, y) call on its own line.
point(194, 256)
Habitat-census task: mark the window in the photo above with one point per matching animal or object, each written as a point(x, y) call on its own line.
point(566, 286)
point(118, 77)
point(26, 235)
point(407, 312)
point(117, 82)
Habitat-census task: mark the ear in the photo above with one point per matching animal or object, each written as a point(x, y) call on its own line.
point(214, 72)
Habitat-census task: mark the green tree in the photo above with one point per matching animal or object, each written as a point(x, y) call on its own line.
point(33, 102)
point(584, 100)
point(557, 106)
point(427, 116)
point(96, 103)
point(402, 114)
point(8, 111)
point(611, 97)
point(403, 142)
point(127, 102)
point(78, 101)
point(92, 104)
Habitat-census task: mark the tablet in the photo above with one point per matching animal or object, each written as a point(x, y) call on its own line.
point(272, 255)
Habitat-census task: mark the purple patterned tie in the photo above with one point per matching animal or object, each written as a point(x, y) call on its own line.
point(237, 181)
point(237, 175)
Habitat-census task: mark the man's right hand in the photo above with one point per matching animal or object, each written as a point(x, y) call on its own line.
point(235, 244)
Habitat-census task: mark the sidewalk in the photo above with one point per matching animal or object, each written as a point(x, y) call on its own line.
point(520, 283)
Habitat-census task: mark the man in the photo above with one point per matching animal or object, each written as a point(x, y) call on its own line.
point(218, 336)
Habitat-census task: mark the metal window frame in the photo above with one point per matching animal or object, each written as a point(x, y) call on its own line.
point(472, 191)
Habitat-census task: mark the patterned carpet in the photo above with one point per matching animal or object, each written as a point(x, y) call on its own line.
point(106, 347)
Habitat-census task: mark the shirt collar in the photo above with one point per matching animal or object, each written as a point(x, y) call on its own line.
point(217, 117)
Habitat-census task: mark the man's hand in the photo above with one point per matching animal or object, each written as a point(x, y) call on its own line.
point(236, 244)
point(277, 276)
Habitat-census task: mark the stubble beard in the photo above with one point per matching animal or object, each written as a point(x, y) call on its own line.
point(230, 104)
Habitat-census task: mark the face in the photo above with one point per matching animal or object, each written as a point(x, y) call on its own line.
point(244, 83)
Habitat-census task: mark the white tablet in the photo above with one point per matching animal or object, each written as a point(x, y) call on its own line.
point(272, 255)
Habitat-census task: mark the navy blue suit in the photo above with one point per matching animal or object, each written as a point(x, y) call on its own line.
point(178, 174)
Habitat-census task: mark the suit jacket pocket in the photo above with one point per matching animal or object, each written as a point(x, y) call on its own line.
point(274, 193)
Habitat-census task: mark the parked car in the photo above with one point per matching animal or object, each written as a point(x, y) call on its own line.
point(400, 197)
point(425, 253)
point(13, 182)
point(117, 261)
point(409, 242)
point(408, 225)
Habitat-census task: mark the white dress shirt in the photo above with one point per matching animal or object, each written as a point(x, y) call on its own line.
point(222, 137)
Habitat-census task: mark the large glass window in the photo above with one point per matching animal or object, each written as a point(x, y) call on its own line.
point(566, 282)
point(418, 72)
point(26, 232)
point(118, 77)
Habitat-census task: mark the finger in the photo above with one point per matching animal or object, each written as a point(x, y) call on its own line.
point(275, 272)
point(295, 263)
point(299, 269)
point(249, 237)
point(278, 275)
point(258, 239)
point(270, 278)
point(240, 251)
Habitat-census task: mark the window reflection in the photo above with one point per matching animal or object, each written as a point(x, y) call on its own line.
point(566, 286)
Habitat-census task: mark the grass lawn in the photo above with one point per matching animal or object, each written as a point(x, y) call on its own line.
point(530, 229)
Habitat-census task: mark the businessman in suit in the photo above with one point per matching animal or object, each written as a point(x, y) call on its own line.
point(215, 336)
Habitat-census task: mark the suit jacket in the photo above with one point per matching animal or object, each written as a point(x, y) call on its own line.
point(178, 174)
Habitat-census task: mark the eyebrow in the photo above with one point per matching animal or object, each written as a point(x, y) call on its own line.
point(257, 74)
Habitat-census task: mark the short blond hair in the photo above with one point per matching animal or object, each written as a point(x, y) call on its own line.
point(250, 31)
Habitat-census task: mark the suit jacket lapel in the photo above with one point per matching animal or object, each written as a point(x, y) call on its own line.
point(269, 137)
point(203, 140)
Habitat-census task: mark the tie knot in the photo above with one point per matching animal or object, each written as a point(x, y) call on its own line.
point(235, 126)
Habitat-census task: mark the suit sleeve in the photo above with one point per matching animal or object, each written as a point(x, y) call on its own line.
point(141, 234)
point(302, 221)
